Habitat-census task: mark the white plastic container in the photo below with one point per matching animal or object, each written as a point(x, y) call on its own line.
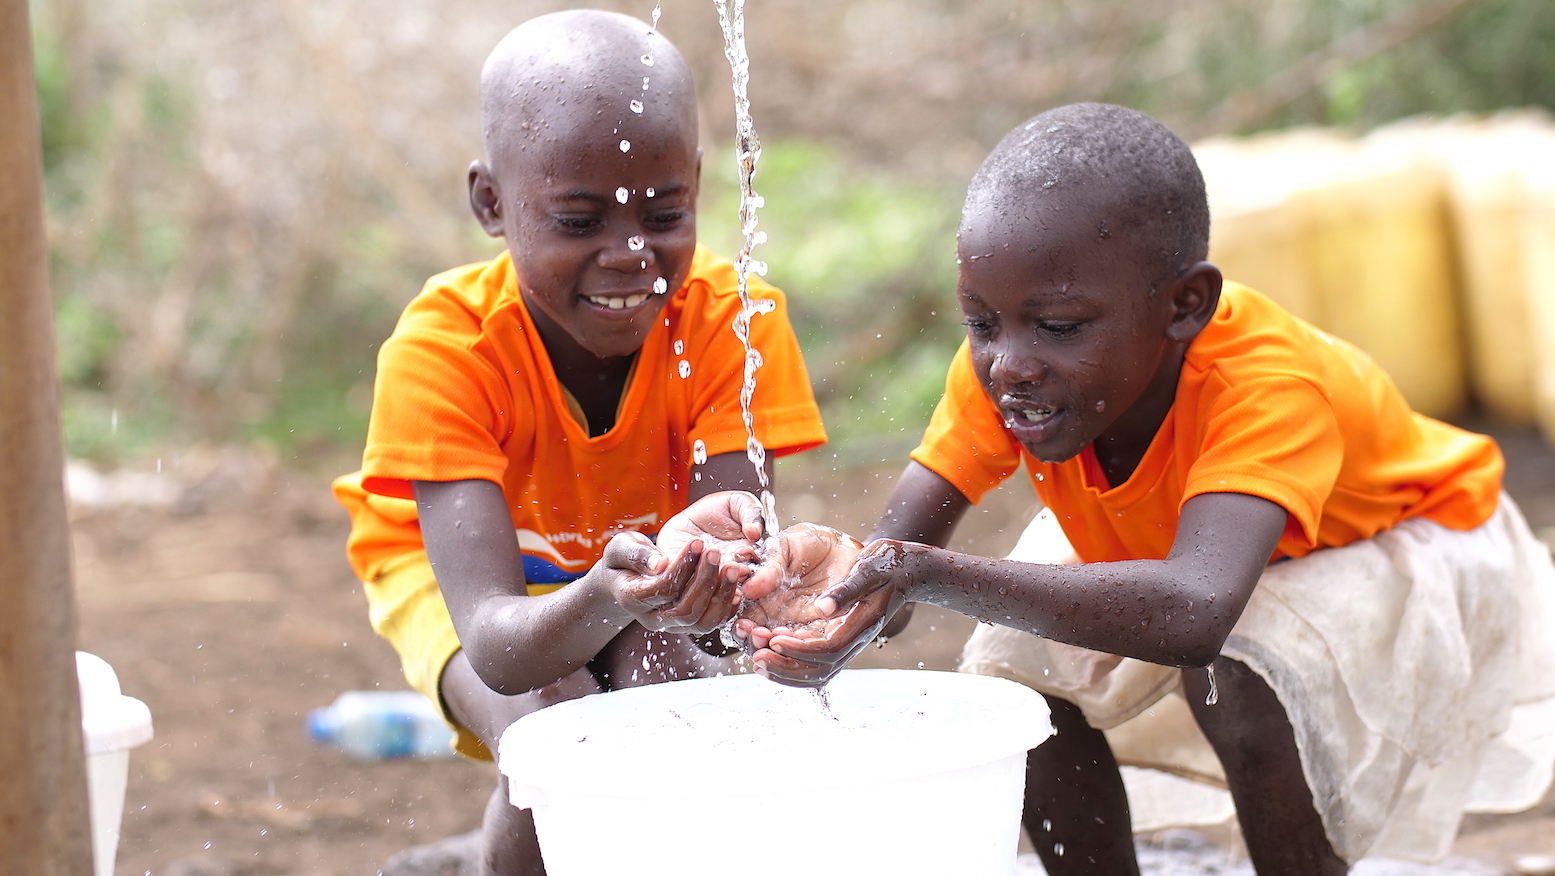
point(911, 772)
point(111, 724)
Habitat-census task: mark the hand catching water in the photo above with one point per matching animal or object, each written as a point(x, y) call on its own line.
point(793, 640)
point(689, 582)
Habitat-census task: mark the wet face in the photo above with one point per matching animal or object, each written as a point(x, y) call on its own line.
point(599, 236)
point(1065, 333)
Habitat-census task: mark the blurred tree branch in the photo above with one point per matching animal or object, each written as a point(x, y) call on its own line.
point(1248, 108)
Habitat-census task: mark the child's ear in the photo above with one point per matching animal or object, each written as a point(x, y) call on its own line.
point(1195, 295)
point(485, 200)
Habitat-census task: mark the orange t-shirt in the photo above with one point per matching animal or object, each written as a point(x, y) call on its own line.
point(1266, 405)
point(465, 390)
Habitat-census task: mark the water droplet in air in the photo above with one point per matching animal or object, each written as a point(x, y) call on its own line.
point(622, 194)
point(635, 242)
point(1214, 691)
point(650, 191)
point(685, 369)
point(637, 106)
point(626, 145)
point(698, 452)
point(1047, 825)
point(207, 844)
point(680, 346)
point(920, 664)
point(1058, 849)
point(660, 286)
point(1041, 476)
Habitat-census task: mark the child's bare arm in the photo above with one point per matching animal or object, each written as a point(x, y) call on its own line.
point(517, 643)
point(1177, 611)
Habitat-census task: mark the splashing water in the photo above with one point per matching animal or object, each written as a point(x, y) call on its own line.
point(1214, 692)
point(731, 15)
point(647, 59)
point(823, 699)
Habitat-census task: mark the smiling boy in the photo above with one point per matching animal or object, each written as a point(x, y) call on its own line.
point(1189, 436)
point(584, 383)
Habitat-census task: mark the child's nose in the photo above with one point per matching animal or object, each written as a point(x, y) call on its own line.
point(1010, 368)
point(627, 252)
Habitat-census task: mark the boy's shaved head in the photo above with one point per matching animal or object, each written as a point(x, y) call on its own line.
point(551, 72)
point(1117, 165)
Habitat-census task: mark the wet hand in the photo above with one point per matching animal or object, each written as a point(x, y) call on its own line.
point(809, 558)
point(792, 640)
point(693, 594)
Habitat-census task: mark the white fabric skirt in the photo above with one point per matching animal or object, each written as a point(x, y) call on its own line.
point(1417, 668)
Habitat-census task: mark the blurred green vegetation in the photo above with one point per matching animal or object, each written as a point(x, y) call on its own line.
point(200, 303)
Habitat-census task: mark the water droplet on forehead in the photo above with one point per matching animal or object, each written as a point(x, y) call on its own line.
point(685, 369)
point(635, 243)
point(636, 105)
point(698, 452)
point(660, 286)
point(650, 191)
point(622, 194)
point(626, 145)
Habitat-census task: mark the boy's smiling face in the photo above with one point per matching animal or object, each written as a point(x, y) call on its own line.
point(590, 263)
point(595, 268)
point(1071, 335)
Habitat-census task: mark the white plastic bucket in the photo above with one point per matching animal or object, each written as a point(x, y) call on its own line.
point(111, 724)
point(912, 772)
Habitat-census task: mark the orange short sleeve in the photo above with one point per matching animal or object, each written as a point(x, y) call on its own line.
point(429, 384)
point(1275, 438)
point(782, 405)
point(966, 442)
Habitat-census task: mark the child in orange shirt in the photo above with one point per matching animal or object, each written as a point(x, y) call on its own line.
point(537, 416)
point(1188, 436)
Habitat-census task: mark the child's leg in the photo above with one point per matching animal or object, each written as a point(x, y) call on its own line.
point(508, 843)
point(1253, 738)
point(1076, 809)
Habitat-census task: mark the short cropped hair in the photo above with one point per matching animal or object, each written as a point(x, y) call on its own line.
point(1144, 173)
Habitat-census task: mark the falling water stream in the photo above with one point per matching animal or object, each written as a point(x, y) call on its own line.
point(731, 15)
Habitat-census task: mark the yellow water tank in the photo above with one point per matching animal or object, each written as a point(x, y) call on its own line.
point(1539, 264)
point(1355, 240)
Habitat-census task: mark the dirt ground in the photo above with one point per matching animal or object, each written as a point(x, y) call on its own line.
point(229, 610)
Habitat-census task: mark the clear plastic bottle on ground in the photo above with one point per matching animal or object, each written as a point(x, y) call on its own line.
point(375, 725)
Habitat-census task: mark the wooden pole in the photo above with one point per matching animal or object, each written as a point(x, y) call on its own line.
point(43, 810)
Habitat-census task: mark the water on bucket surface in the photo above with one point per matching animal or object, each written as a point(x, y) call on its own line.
point(924, 770)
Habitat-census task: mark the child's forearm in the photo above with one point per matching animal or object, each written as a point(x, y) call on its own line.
point(515, 642)
point(1177, 611)
point(1140, 608)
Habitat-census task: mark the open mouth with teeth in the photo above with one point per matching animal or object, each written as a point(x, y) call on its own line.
point(617, 303)
point(1023, 414)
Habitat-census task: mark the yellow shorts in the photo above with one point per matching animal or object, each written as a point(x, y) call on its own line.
point(406, 606)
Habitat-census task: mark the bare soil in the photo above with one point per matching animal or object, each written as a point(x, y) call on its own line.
point(232, 612)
